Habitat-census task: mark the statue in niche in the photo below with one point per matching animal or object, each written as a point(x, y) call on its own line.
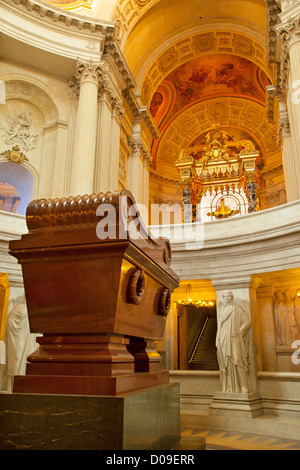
point(232, 341)
point(285, 318)
point(19, 341)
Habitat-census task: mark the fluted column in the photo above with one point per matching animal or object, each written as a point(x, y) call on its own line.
point(288, 157)
point(289, 82)
point(84, 149)
point(108, 136)
point(138, 171)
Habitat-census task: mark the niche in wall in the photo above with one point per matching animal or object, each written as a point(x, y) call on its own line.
point(16, 181)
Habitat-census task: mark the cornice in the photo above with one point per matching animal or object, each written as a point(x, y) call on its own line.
point(273, 12)
point(163, 179)
point(58, 17)
point(95, 37)
point(141, 112)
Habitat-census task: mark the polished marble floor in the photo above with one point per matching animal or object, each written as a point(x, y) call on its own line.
point(224, 440)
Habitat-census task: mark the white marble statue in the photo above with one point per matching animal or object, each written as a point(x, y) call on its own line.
point(19, 341)
point(285, 318)
point(232, 343)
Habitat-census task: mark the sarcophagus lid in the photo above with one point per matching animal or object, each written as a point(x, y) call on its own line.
point(91, 266)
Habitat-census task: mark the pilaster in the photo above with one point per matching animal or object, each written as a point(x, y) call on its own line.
point(108, 135)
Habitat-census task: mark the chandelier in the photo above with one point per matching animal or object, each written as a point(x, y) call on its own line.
point(219, 165)
point(189, 299)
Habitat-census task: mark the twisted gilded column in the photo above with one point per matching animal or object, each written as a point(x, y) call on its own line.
point(84, 148)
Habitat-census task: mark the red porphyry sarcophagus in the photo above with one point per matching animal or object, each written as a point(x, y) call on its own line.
point(98, 290)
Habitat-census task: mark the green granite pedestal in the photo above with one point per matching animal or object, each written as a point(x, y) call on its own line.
point(146, 420)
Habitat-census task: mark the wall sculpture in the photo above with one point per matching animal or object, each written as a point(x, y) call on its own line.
point(285, 310)
point(233, 342)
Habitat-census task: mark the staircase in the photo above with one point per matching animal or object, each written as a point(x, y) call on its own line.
point(204, 355)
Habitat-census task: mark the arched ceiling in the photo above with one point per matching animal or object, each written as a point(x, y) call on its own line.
point(195, 62)
point(167, 21)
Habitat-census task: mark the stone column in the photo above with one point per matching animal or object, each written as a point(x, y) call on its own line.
point(289, 83)
point(288, 151)
point(236, 350)
point(108, 137)
point(84, 149)
point(138, 171)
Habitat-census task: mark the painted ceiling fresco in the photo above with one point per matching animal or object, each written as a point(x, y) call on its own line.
point(235, 135)
point(207, 77)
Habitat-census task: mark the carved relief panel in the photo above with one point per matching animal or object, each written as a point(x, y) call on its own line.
point(286, 309)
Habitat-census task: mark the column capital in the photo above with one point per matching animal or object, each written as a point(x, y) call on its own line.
point(284, 129)
point(287, 6)
point(86, 71)
point(139, 149)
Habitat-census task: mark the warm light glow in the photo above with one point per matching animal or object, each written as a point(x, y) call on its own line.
point(189, 299)
point(298, 293)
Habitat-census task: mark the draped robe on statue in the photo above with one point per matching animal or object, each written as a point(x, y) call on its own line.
point(19, 342)
point(233, 349)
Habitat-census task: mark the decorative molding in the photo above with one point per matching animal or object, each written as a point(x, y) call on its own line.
point(273, 12)
point(222, 42)
point(139, 149)
point(142, 3)
point(142, 112)
point(106, 89)
point(97, 37)
point(285, 60)
point(284, 129)
point(18, 127)
point(15, 155)
point(164, 179)
point(60, 17)
point(272, 171)
point(113, 50)
point(88, 71)
point(231, 112)
point(74, 5)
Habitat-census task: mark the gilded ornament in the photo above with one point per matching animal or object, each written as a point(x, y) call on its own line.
point(15, 155)
point(223, 211)
point(220, 164)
